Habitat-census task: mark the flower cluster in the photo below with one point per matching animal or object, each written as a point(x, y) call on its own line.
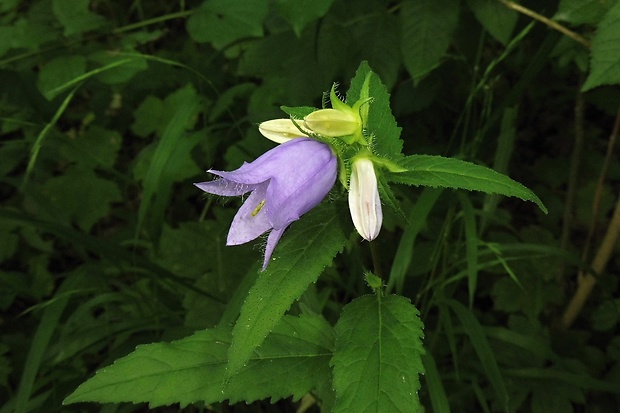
point(294, 177)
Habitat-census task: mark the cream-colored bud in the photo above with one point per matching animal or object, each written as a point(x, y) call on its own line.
point(364, 201)
point(280, 130)
point(332, 122)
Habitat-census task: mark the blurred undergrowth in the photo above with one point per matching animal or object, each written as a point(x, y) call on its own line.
point(110, 110)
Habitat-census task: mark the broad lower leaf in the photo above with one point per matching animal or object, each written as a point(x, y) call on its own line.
point(427, 27)
point(293, 360)
point(305, 250)
point(605, 60)
point(437, 171)
point(377, 358)
point(381, 122)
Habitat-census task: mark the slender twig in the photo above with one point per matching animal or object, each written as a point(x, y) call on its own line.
point(596, 201)
point(586, 281)
point(545, 20)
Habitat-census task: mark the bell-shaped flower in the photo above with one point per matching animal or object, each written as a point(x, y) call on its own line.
point(285, 183)
point(364, 201)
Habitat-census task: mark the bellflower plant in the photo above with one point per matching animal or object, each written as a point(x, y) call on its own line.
point(345, 123)
point(281, 190)
point(376, 338)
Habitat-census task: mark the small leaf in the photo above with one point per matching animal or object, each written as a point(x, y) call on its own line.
point(582, 11)
point(121, 73)
point(222, 22)
point(59, 71)
point(381, 122)
point(293, 360)
point(305, 250)
point(496, 18)
point(75, 16)
point(300, 13)
point(79, 196)
point(427, 27)
point(437, 171)
point(377, 358)
point(605, 60)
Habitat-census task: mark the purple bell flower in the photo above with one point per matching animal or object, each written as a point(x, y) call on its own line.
point(285, 183)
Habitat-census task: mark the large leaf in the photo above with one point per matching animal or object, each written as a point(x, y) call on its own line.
point(377, 358)
point(293, 360)
point(606, 51)
point(381, 122)
point(437, 171)
point(305, 250)
point(427, 27)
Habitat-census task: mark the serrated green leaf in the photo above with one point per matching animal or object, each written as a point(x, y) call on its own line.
point(427, 27)
point(300, 13)
point(305, 250)
point(377, 358)
point(605, 60)
point(222, 22)
point(76, 17)
point(381, 122)
point(293, 360)
point(495, 17)
point(437, 171)
point(383, 52)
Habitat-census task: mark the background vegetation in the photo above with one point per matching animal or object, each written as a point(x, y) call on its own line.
point(111, 110)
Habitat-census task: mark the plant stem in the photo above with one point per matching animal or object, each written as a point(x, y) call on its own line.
point(569, 204)
point(554, 25)
point(376, 261)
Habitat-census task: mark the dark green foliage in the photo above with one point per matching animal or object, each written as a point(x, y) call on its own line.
point(112, 261)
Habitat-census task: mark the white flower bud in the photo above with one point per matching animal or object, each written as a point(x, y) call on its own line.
point(364, 201)
point(332, 122)
point(280, 130)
